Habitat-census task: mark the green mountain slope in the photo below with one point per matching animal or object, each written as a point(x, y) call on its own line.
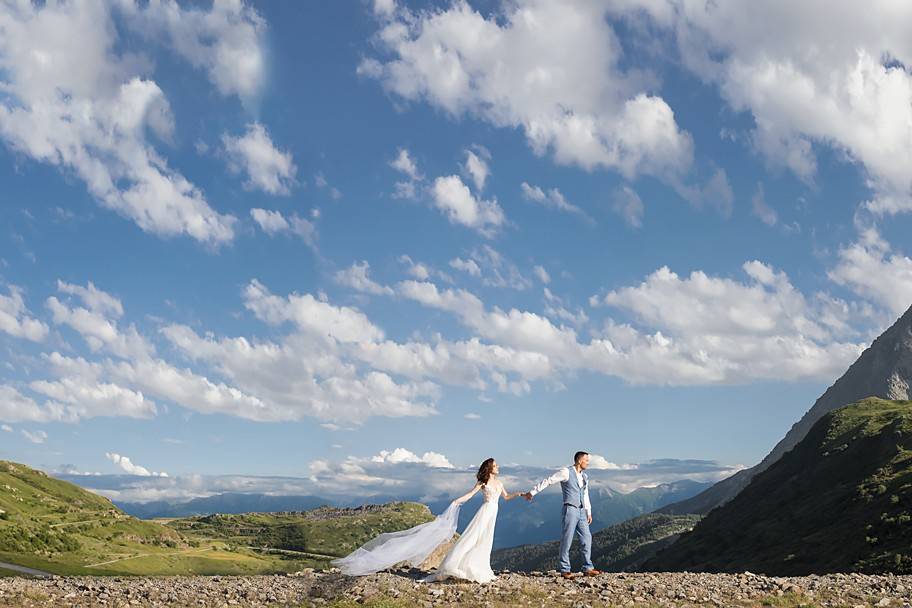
point(55, 526)
point(617, 548)
point(883, 370)
point(326, 531)
point(840, 500)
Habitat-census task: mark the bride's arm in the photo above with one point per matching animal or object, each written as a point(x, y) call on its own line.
point(462, 499)
point(506, 495)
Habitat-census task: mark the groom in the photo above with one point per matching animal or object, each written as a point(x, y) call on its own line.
point(576, 513)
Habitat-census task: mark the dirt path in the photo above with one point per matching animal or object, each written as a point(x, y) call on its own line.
point(138, 555)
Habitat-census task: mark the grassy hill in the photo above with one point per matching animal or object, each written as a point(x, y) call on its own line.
point(55, 526)
point(840, 500)
point(324, 532)
point(617, 548)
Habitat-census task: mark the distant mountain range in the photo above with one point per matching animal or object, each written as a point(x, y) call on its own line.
point(229, 502)
point(883, 370)
point(518, 522)
point(839, 501)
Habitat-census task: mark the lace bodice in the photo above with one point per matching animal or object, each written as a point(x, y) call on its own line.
point(492, 490)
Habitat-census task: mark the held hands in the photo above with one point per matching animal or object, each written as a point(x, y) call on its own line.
point(527, 496)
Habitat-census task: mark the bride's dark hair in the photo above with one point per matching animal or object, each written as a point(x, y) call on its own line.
point(485, 470)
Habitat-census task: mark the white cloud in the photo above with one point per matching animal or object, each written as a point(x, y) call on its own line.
point(77, 104)
point(267, 168)
point(15, 318)
point(129, 467)
point(399, 455)
point(356, 479)
point(273, 222)
point(35, 436)
point(405, 164)
point(553, 198)
point(873, 271)
point(6, 428)
point(416, 269)
point(761, 209)
point(356, 277)
point(469, 266)
point(97, 300)
point(493, 268)
point(550, 69)
point(456, 201)
point(476, 166)
point(627, 203)
point(542, 274)
point(226, 41)
point(95, 326)
point(472, 416)
point(600, 463)
point(809, 78)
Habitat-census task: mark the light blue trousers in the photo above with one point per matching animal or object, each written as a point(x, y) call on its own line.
point(574, 520)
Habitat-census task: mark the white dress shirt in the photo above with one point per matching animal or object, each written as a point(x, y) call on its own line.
point(560, 475)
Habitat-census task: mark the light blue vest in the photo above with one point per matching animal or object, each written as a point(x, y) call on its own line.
point(573, 493)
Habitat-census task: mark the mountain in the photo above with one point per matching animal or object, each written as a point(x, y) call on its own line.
point(229, 502)
point(618, 548)
point(326, 532)
point(883, 370)
point(58, 527)
point(839, 501)
point(520, 522)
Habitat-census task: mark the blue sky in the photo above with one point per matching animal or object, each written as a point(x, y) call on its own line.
point(286, 238)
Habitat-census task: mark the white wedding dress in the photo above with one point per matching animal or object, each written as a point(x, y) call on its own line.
point(469, 558)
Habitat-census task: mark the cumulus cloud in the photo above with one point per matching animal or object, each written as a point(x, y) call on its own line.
point(453, 198)
point(549, 69)
point(810, 78)
point(356, 277)
point(272, 222)
point(354, 480)
point(226, 40)
point(627, 203)
point(761, 209)
point(34, 436)
point(405, 164)
point(874, 271)
point(553, 198)
point(15, 318)
point(130, 467)
point(476, 166)
point(469, 266)
point(493, 268)
point(431, 459)
point(267, 168)
point(79, 103)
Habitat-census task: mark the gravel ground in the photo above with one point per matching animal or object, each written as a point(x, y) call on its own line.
point(401, 589)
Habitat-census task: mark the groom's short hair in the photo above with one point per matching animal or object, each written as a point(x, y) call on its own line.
point(578, 455)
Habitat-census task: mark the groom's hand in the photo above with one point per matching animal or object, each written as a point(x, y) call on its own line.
point(588, 518)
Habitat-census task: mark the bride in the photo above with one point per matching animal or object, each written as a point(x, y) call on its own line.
point(469, 558)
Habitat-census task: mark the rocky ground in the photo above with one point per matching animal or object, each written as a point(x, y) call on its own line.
point(401, 589)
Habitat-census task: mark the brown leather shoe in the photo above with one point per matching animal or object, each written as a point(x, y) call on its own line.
point(568, 575)
point(593, 572)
